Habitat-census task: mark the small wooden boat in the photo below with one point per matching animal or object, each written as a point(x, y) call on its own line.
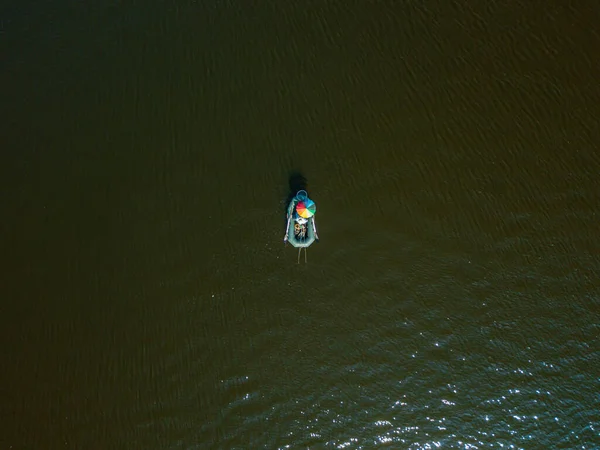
point(301, 231)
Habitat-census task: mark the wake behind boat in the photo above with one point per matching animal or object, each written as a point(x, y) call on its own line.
point(301, 231)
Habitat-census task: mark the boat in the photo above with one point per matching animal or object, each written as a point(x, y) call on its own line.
point(301, 231)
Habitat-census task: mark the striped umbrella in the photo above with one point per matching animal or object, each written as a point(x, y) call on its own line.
point(306, 208)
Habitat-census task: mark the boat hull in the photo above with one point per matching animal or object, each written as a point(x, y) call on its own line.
point(296, 235)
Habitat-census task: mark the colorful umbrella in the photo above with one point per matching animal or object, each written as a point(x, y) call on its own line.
point(306, 208)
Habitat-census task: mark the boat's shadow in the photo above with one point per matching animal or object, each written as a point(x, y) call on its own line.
point(296, 182)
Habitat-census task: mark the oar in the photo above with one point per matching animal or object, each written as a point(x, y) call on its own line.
point(305, 254)
point(285, 238)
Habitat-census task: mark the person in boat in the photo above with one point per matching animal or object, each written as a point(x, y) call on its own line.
point(300, 225)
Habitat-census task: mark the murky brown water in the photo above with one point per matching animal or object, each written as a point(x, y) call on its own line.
point(147, 299)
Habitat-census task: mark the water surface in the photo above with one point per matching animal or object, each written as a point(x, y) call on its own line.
point(148, 300)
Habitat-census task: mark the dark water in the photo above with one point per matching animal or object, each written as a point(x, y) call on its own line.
point(147, 300)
